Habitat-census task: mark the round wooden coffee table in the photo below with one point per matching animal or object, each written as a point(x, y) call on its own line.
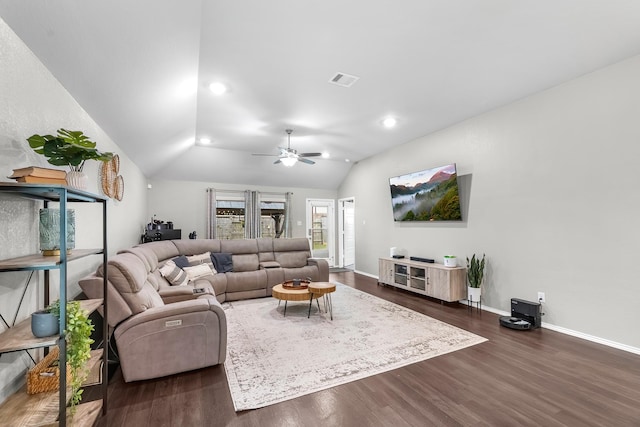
point(287, 294)
point(324, 289)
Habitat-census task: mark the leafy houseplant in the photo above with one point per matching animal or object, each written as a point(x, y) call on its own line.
point(475, 274)
point(67, 148)
point(475, 271)
point(78, 338)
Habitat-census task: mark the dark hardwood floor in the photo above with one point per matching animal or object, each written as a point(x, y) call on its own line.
point(517, 378)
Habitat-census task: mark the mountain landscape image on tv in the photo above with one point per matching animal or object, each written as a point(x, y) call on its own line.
point(428, 195)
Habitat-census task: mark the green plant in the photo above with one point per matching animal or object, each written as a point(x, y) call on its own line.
point(78, 338)
point(475, 271)
point(67, 148)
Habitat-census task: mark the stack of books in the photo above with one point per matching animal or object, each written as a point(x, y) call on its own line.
point(38, 175)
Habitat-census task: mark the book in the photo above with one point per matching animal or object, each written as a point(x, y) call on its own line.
point(38, 171)
point(40, 180)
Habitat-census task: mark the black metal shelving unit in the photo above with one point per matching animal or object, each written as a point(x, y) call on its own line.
point(19, 337)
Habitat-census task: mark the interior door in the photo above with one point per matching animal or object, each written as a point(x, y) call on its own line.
point(346, 232)
point(321, 228)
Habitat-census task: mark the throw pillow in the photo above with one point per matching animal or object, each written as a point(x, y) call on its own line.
point(223, 262)
point(181, 261)
point(174, 274)
point(198, 271)
point(204, 258)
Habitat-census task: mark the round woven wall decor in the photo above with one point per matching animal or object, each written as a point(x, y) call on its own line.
point(112, 183)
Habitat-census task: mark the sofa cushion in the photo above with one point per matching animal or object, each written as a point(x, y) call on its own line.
point(204, 258)
point(197, 246)
point(174, 274)
point(222, 262)
point(291, 253)
point(198, 271)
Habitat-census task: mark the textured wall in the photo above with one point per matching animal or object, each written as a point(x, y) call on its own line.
point(33, 101)
point(549, 192)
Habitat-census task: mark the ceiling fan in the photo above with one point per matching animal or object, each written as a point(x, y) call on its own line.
point(288, 156)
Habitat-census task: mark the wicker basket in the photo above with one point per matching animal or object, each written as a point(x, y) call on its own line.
point(45, 376)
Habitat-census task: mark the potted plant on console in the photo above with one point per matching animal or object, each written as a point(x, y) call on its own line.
point(69, 148)
point(475, 274)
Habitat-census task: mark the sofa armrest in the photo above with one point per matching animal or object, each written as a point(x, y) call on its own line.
point(182, 293)
point(323, 268)
point(171, 310)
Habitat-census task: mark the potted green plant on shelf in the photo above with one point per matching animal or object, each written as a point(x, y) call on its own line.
point(78, 338)
point(69, 148)
point(475, 274)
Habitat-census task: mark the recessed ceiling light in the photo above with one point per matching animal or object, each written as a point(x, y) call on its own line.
point(205, 141)
point(389, 122)
point(188, 87)
point(217, 88)
point(347, 160)
point(325, 155)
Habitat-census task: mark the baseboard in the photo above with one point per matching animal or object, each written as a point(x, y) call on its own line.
point(562, 330)
point(366, 274)
point(571, 332)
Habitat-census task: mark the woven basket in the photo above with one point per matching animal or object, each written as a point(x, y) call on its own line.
point(45, 376)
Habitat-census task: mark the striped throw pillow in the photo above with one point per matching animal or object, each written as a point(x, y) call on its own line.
point(204, 258)
point(174, 274)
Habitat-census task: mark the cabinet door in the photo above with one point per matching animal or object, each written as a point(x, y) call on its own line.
point(385, 271)
point(438, 284)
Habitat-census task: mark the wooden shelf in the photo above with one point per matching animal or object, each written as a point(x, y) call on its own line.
point(42, 410)
point(40, 262)
point(20, 337)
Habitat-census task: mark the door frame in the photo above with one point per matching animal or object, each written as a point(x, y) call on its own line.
point(331, 228)
point(341, 239)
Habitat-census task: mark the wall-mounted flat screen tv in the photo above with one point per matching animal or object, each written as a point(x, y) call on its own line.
point(428, 195)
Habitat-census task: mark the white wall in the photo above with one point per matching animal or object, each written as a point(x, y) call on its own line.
point(185, 203)
point(550, 194)
point(33, 101)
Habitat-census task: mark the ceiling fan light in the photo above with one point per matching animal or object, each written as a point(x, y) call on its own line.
point(325, 155)
point(288, 161)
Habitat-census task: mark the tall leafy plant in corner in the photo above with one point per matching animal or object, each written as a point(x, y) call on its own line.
point(475, 271)
point(78, 337)
point(67, 148)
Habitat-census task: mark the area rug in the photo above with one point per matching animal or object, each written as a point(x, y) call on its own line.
point(272, 358)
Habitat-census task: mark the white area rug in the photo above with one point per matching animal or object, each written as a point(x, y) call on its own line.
point(271, 358)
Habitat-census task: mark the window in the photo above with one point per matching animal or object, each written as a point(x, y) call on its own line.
point(230, 219)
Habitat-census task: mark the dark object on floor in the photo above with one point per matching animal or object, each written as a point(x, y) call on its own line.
point(193, 235)
point(524, 315)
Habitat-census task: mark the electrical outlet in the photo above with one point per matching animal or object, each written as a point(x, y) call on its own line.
point(541, 297)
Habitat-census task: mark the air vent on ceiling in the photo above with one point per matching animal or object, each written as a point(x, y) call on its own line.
point(342, 79)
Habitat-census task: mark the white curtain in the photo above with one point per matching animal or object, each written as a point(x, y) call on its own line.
point(287, 214)
point(211, 213)
point(252, 214)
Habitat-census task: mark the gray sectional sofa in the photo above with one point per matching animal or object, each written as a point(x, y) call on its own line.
point(161, 329)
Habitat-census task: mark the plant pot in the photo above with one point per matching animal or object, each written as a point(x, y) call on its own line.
point(44, 324)
point(450, 261)
point(50, 231)
point(78, 180)
point(474, 294)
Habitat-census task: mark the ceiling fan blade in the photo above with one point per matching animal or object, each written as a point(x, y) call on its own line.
point(277, 161)
point(310, 154)
point(264, 154)
point(307, 161)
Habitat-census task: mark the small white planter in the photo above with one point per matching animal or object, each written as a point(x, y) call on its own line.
point(450, 261)
point(78, 180)
point(473, 294)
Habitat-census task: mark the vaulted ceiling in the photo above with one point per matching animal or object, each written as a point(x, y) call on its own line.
point(142, 70)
